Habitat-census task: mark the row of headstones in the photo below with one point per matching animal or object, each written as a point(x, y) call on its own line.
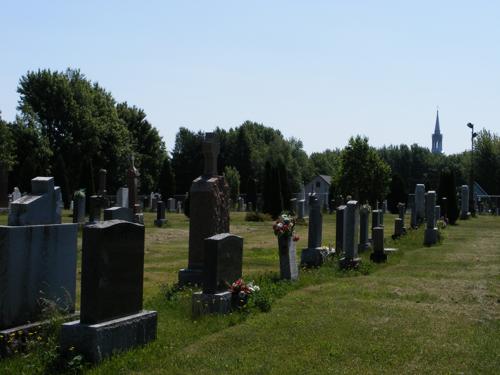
point(39, 264)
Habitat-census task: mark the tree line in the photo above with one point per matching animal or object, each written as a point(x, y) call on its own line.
point(70, 127)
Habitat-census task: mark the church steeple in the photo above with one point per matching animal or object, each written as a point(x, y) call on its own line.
point(437, 137)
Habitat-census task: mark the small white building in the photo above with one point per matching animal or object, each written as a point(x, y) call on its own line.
point(321, 186)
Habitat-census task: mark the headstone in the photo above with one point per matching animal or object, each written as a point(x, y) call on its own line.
point(351, 237)
point(133, 185)
point(171, 204)
point(160, 214)
point(95, 205)
point(364, 241)
point(464, 205)
point(79, 207)
point(287, 254)
point(179, 207)
point(378, 254)
point(444, 207)
point(376, 218)
point(223, 262)
point(431, 232)
point(339, 229)
point(4, 186)
point(118, 213)
point(42, 206)
point(384, 206)
point(208, 211)
point(111, 315)
point(402, 212)
point(437, 213)
point(16, 194)
point(37, 262)
point(420, 202)
point(122, 197)
point(240, 204)
point(301, 206)
point(399, 229)
point(154, 201)
point(250, 207)
point(102, 182)
point(315, 255)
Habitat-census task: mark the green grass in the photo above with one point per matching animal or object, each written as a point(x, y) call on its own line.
point(427, 310)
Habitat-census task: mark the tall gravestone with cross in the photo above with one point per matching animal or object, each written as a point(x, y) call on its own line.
point(209, 211)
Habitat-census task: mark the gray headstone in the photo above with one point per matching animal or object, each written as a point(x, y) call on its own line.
point(376, 218)
point(118, 213)
point(160, 214)
point(301, 206)
point(122, 197)
point(402, 212)
point(79, 209)
point(378, 254)
point(223, 262)
point(287, 253)
point(420, 202)
point(112, 271)
point(171, 204)
point(314, 255)
point(42, 206)
point(364, 242)
point(437, 213)
point(351, 236)
point(36, 262)
point(398, 227)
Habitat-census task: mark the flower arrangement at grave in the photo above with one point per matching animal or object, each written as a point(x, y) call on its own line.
point(241, 291)
point(285, 227)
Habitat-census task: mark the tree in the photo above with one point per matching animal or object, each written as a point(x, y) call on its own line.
point(232, 177)
point(166, 183)
point(7, 145)
point(147, 145)
point(79, 121)
point(276, 190)
point(326, 162)
point(362, 173)
point(487, 161)
point(187, 158)
point(397, 193)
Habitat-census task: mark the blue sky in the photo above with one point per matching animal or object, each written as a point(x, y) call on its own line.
point(320, 71)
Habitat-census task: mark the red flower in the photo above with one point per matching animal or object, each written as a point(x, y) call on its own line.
point(296, 238)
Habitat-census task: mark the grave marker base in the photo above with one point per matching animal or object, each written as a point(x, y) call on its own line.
point(189, 276)
point(99, 341)
point(348, 263)
point(207, 303)
point(314, 257)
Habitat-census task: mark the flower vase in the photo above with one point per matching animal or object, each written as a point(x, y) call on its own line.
point(288, 263)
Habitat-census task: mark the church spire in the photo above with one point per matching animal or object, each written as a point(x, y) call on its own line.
point(436, 128)
point(437, 137)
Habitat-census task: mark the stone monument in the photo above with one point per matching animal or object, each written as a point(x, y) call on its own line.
point(315, 255)
point(420, 203)
point(209, 211)
point(431, 232)
point(464, 204)
point(351, 225)
point(112, 317)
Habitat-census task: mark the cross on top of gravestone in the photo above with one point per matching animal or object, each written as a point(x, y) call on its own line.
point(211, 149)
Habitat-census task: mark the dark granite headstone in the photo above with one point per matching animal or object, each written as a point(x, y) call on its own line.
point(160, 214)
point(112, 271)
point(223, 262)
point(208, 212)
point(339, 229)
point(378, 254)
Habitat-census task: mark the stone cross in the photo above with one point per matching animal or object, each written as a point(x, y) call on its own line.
point(211, 149)
point(132, 183)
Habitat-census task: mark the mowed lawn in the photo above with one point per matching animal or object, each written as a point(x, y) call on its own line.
point(428, 310)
